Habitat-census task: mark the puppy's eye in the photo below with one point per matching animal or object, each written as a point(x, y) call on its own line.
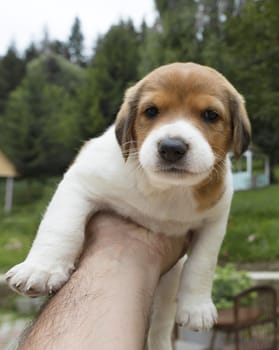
point(151, 112)
point(210, 116)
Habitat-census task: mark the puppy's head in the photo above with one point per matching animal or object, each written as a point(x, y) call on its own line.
point(180, 121)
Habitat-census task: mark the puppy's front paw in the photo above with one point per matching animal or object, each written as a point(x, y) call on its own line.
point(33, 279)
point(196, 316)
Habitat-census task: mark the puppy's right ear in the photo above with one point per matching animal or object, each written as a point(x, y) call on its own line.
point(240, 124)
point(125, 120)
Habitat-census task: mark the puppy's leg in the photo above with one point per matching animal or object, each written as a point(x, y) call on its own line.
point(195, 308)
point(57, 244)
point(164, 308)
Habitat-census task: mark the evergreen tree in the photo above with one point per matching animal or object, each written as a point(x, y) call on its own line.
point(151, 50)
point(45, 42)
point(60, 48)
point(179, 28)
point(113, 68)
point(75, 44)
point(173, 36)
point(213, 15)
point(12, 69)
point(31, 52)
point(41, 121)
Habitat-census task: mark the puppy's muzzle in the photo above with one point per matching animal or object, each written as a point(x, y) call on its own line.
point(172, 150)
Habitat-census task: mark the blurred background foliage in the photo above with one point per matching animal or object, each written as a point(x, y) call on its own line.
point(228, 282)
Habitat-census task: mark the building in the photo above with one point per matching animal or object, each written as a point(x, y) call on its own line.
point(8, 171)
point(251, 171)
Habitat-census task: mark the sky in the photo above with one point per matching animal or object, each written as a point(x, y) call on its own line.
point(23, 21)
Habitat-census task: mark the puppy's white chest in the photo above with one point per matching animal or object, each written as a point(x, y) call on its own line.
point(169, 213)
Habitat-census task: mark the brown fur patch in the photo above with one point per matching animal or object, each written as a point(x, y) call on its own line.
point(125, 121)
point(240, 125)
point(211, 190)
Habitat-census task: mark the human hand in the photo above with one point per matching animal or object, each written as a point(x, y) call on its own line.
point(109, 231)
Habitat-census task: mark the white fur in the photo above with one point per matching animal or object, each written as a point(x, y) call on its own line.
point(199, 160)
point(101, 179)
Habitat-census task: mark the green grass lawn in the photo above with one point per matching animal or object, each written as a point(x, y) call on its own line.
point(253, 231)
point(17, 229)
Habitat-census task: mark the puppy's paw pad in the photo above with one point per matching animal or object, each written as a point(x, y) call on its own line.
point(33, 279)
point(197, 317)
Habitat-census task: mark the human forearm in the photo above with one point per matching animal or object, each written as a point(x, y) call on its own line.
point(105, 305)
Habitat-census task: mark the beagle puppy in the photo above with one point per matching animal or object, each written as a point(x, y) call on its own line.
point(164, 164)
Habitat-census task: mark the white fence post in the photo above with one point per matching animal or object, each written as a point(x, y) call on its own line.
point(9, 195)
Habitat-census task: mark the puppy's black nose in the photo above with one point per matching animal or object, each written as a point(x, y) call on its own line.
point(172, 149)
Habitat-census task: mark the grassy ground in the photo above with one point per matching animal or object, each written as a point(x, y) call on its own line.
point(17, 229)
point(253, 231)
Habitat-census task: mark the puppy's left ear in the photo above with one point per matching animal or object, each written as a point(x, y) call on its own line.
point(125, 120)
point(241, 126)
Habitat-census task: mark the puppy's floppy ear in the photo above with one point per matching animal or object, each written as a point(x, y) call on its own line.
point(241, 127)
point(125, 120)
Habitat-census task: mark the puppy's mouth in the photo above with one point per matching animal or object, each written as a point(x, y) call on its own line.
point(174, 170)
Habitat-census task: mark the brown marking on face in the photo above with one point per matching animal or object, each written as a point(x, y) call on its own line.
point(185, 91)
point(125, 120)
point(240, 125)
point(211, 190)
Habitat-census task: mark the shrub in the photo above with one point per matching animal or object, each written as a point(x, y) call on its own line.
point(228, 282)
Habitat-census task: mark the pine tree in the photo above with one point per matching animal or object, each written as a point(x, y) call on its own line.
point(60, 48)
point(41, 121)
point(12, 70)
point(113, 68)
point(178, 20)
point(173, 37)
point(31, 52)
point(75, 44)
point(213, 16)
